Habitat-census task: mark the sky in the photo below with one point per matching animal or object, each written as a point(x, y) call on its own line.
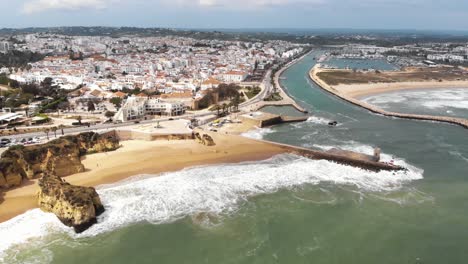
point(307, 14)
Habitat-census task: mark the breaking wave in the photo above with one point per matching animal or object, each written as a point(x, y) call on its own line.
point(258, 133)
point(215, 190)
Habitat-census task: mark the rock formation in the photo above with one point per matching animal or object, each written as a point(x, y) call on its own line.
point(208, 140)
point(198, 138)
point(75, 206)
point(59, 157)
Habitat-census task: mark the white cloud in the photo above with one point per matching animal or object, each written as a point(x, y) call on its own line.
point(236, 4)
point(254, 3)
point(37, 6)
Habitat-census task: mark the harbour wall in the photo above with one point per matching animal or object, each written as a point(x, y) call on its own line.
point(444, 119)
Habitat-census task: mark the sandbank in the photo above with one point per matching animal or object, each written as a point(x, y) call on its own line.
point(362, 90)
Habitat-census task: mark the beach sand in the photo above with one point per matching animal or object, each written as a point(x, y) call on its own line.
point(145, 157)
point(361, 90)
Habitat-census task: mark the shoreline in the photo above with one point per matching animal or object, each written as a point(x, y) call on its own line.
point(345, 96)
point(144, 157)
point(287, 99)
point(283, 92)
point(364, 90)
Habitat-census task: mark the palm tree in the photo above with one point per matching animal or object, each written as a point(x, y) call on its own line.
point(235, 102)
point(61, 127)
point(229, 106)
point(224, 107)
point(54, 129)
point(217, 107)
point(46, 131)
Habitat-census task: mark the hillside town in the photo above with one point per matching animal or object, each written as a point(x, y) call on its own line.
point(93, 80)
point(408, 55)
point(70, 81)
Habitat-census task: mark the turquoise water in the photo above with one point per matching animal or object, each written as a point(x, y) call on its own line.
point(284, 210)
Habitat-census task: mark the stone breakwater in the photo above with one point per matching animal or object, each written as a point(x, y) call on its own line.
point(444, 119)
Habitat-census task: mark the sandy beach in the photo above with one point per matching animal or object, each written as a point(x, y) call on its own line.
point(145, 157)
point(350, 93)
point(361, 90)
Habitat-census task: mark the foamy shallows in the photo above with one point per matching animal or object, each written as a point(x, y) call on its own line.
point(432, 99)
point(217, 189)
point(258, 133)
point(369, 150)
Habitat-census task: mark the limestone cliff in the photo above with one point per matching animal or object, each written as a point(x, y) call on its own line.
point(75, 206)
point(59, 157)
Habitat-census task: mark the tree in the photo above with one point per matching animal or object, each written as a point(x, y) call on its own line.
point(61, 127)
point(117, 101)
point(224, 107)
point(91, 106)
point(217, 108)
point(54, 129)
point(79, 118)
point(229, 106)
point(63, 105)
point(235, 102)
point(46, 131)
point(109, 114)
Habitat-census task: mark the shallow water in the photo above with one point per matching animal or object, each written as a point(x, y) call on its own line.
point(445, 102)
point(283, 210)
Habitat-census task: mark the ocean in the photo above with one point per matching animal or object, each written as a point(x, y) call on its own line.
point(287, 209)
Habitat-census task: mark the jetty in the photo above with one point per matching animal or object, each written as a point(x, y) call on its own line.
point(444, 119)
point(262, 119)
point(350, 158)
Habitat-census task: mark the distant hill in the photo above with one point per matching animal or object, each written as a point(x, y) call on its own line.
point(304, 36)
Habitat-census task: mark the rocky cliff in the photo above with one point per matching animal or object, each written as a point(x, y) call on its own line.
point(75, 206)
point(59, 157)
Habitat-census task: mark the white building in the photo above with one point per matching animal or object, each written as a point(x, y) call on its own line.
point(234, 76)
point(139, 107)
point(4, 47)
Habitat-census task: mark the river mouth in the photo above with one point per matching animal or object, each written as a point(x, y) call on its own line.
point(284, 210)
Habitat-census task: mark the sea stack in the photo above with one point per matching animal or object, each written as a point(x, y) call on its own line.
point(75, 206)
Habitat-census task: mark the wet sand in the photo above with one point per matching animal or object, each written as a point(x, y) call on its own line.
point(347, 95)
point(361, 90)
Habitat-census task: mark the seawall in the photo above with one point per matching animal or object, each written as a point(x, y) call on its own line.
point(287, 100)
point(444, 119)
point(349, 158)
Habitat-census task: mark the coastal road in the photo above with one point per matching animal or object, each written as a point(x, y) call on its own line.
point(103, 127)
point(263, 93)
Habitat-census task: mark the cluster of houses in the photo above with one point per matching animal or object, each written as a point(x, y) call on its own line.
point(178, 70)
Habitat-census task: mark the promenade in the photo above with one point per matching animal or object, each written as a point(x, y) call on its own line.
point(286, 99)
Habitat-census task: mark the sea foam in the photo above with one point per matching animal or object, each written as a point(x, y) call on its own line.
point(258, 133)
point(217, 189)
